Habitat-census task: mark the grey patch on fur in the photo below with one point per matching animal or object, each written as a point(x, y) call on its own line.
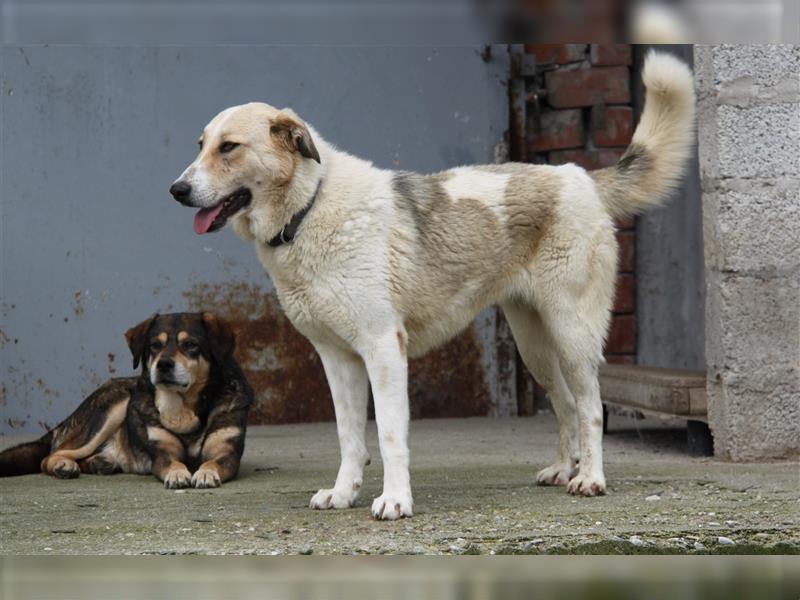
point(624, 186)
point(420, 195)
point(635, 159)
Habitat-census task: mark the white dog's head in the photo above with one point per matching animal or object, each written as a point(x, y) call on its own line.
point(248, 156)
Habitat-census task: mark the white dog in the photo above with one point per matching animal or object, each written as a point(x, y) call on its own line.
point(374, 266)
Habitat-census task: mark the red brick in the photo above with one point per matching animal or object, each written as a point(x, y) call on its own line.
point(588, 159)
point(621, 359)
point(560, 129)
point(548, 54)
point(610, 54)
point(627, 251)
point(586, 87)
point(612, 125)
point(625, 299)
point(622, 336)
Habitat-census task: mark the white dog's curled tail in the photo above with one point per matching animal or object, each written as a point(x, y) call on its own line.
point(654, 163)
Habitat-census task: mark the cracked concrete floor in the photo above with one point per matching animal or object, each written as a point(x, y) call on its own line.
point(473, 491)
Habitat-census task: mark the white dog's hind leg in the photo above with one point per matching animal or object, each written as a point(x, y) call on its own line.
point(387, 366)
point(582, 379)
point(539, 355)
point(347, 378)
point(580, 351)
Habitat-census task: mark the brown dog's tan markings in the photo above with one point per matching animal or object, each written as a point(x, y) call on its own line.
point(185, 413)
point(64, 459)
point(169, 454)
point(174, 413)
point(218, 448)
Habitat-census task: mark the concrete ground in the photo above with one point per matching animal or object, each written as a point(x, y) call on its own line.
point(473, 492)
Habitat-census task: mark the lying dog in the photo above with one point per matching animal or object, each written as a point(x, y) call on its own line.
point(374, 266)
point(183, 419)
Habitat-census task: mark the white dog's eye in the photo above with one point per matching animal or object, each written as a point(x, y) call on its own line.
point(226, 147)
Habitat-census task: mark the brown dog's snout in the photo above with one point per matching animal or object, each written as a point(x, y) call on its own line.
point(165, 365)
point(181, 190)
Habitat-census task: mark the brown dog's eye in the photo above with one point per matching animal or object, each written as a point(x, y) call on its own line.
point(155, 346)
point(226, 147)
point(190, 346)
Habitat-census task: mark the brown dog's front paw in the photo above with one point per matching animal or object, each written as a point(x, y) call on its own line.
point(206, 478)
point(177, 479)
point(100, 465)
point(66, 468)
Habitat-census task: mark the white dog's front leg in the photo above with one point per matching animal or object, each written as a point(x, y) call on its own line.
point(347, 378)
point(387, 366)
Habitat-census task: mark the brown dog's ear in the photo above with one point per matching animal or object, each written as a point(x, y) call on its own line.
point(137, 339)
point(221, 339)
point(288, 129)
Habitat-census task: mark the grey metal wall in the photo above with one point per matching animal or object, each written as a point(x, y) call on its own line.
point(670, 284)
point(91, 139)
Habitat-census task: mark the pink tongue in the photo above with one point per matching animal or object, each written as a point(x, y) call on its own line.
point(205, 217)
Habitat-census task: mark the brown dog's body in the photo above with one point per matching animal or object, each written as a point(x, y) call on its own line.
point(183, 419)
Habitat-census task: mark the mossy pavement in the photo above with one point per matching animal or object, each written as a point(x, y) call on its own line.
point(473, 492)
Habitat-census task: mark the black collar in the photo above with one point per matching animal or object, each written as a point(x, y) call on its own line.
point(287, 233)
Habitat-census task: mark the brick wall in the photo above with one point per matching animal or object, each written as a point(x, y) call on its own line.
point(579, 109)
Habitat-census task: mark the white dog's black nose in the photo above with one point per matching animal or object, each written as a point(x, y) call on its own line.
point(180, 190)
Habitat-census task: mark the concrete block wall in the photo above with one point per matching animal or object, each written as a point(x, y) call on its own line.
point(749, 140)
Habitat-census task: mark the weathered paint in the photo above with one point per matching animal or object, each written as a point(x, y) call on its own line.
point(91, 242)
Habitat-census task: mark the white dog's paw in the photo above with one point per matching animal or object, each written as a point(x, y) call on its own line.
point(557, 474)
point(177, 479)
point(206, 478)
point(587, 485)
point(389, 507)
point(335, 498)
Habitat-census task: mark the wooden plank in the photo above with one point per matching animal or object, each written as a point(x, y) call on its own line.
point(698, 401)
point(665, 391)
point(683, 378)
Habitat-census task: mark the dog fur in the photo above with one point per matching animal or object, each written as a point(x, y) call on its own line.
point(183, 419)
point(387, 265)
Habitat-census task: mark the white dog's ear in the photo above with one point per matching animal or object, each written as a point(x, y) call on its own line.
point(289, 129)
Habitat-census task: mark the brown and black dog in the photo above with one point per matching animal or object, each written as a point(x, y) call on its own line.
point(182, 419)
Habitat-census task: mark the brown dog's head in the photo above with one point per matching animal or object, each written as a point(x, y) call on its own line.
point(248, 155)
point(178, 350)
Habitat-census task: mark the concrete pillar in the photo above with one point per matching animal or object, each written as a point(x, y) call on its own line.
point(749, 140)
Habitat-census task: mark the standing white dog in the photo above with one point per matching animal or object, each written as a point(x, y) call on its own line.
point(374, 266)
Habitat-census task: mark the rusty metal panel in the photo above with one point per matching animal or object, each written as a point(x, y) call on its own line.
point(91, 243)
